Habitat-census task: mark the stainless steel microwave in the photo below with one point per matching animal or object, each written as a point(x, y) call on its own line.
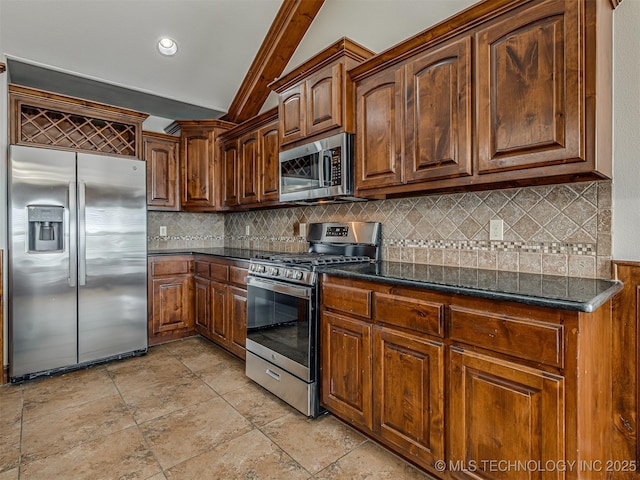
point(321, 170)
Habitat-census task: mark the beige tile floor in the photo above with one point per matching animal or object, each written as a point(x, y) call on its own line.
point(183, 411)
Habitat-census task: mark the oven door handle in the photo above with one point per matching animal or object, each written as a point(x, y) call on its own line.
point(284, 288)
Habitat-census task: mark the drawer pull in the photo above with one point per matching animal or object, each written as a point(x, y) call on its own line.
point(273, 374)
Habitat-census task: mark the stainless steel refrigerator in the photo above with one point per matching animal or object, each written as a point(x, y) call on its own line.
point(77, 259)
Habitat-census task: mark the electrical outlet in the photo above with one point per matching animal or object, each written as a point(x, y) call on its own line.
point(496, 229)
point(303, 230)
point(247, 229)
point(163, 231)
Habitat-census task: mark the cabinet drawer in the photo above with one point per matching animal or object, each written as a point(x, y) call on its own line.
point(522, 337)
point(202, 269)
point(419, 315)
point(347, 299)
point(169, 267)
point(219, 272)
point(238, 276)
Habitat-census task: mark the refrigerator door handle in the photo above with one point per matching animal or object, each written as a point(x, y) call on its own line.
point(82, 235)
point(72, 228)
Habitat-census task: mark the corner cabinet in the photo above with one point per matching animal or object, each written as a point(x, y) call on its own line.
point(494, 97)
point(161, 154)
point(199, 149)
point(417, 370)
point(317, 97)
point(250, 164)
point(220, 307)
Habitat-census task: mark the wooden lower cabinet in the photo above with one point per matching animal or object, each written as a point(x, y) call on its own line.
point(346, 368)
point(237, 320)
point(500, 410)
point(408, 393)
point(205, 295)
point(469, 382)
point(170, 298)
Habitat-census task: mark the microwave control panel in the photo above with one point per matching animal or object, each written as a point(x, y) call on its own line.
point(336, 166)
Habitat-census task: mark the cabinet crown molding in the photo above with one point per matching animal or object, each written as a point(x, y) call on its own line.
point(344, 47)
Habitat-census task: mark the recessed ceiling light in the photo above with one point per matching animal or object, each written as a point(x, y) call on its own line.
point(167, 46)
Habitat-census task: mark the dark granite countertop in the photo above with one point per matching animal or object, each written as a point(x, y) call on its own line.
point(568, 293)
point(231, 253)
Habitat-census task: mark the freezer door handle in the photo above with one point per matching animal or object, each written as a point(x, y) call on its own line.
point(82, 235)
point(72, 227)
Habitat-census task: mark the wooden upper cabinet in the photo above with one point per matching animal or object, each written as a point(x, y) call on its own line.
point(230, 173)
point(197, 163)
point(506, 93)
point(292, 108)
point(438, 130)
point(161, 155)
point(379, 130)
point(316, 97)
point(529, 98)
point(248, 161)
point(269, 163)
point(324, 103)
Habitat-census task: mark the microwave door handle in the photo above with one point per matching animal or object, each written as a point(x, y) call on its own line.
point(325, 180)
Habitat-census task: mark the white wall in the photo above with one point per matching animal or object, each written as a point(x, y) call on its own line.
point(626, 127)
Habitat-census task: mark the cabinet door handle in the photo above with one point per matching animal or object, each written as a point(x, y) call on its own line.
point(273, 374)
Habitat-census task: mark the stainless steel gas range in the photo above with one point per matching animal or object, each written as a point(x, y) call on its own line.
point(283, 306)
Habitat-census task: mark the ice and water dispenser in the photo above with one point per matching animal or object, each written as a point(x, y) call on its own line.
point(46, 228)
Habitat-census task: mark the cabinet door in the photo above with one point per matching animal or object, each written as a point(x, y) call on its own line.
point(269, 163)
point(409, 394)
point(529, 89)
point(218, 309)
point(230, 173)
point(379, 131)
point(438, 130)
point(292, 113)
point(346, 368)
point(197, 170)
point(201, 314)
point(501, 410)
point(171, 304)
point(161, 156)
point(248, 174)
point(324, 100)
point(237, 318)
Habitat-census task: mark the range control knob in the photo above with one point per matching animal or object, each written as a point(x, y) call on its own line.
point(274, 271)
point(299, 275)
point(261, 269)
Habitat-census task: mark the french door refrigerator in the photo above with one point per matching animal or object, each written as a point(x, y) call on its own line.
point(77, 259)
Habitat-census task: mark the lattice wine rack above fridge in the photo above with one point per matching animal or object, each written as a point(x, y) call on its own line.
point(54, 121)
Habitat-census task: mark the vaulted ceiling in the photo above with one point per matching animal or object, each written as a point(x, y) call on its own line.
point(113, 42)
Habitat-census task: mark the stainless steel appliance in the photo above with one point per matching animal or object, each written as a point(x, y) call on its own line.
point(77, 260)
point(282, 309)
point(322, 170)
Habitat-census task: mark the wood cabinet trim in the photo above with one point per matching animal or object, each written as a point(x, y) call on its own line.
point(3, 67)
point(342, 48)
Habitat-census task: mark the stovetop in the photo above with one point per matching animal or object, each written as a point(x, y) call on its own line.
point(297, 268)
point(311, 258)
point(329, 244)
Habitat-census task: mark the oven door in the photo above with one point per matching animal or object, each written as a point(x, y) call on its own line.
point(280, 325)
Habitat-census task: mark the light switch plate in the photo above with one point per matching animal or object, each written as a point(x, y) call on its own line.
point(163, 231)
point(496, 229)
point(303, 230)
point(247, 229)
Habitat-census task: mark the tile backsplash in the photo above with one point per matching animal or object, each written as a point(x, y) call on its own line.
point(185, 230)
point(554, 229)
